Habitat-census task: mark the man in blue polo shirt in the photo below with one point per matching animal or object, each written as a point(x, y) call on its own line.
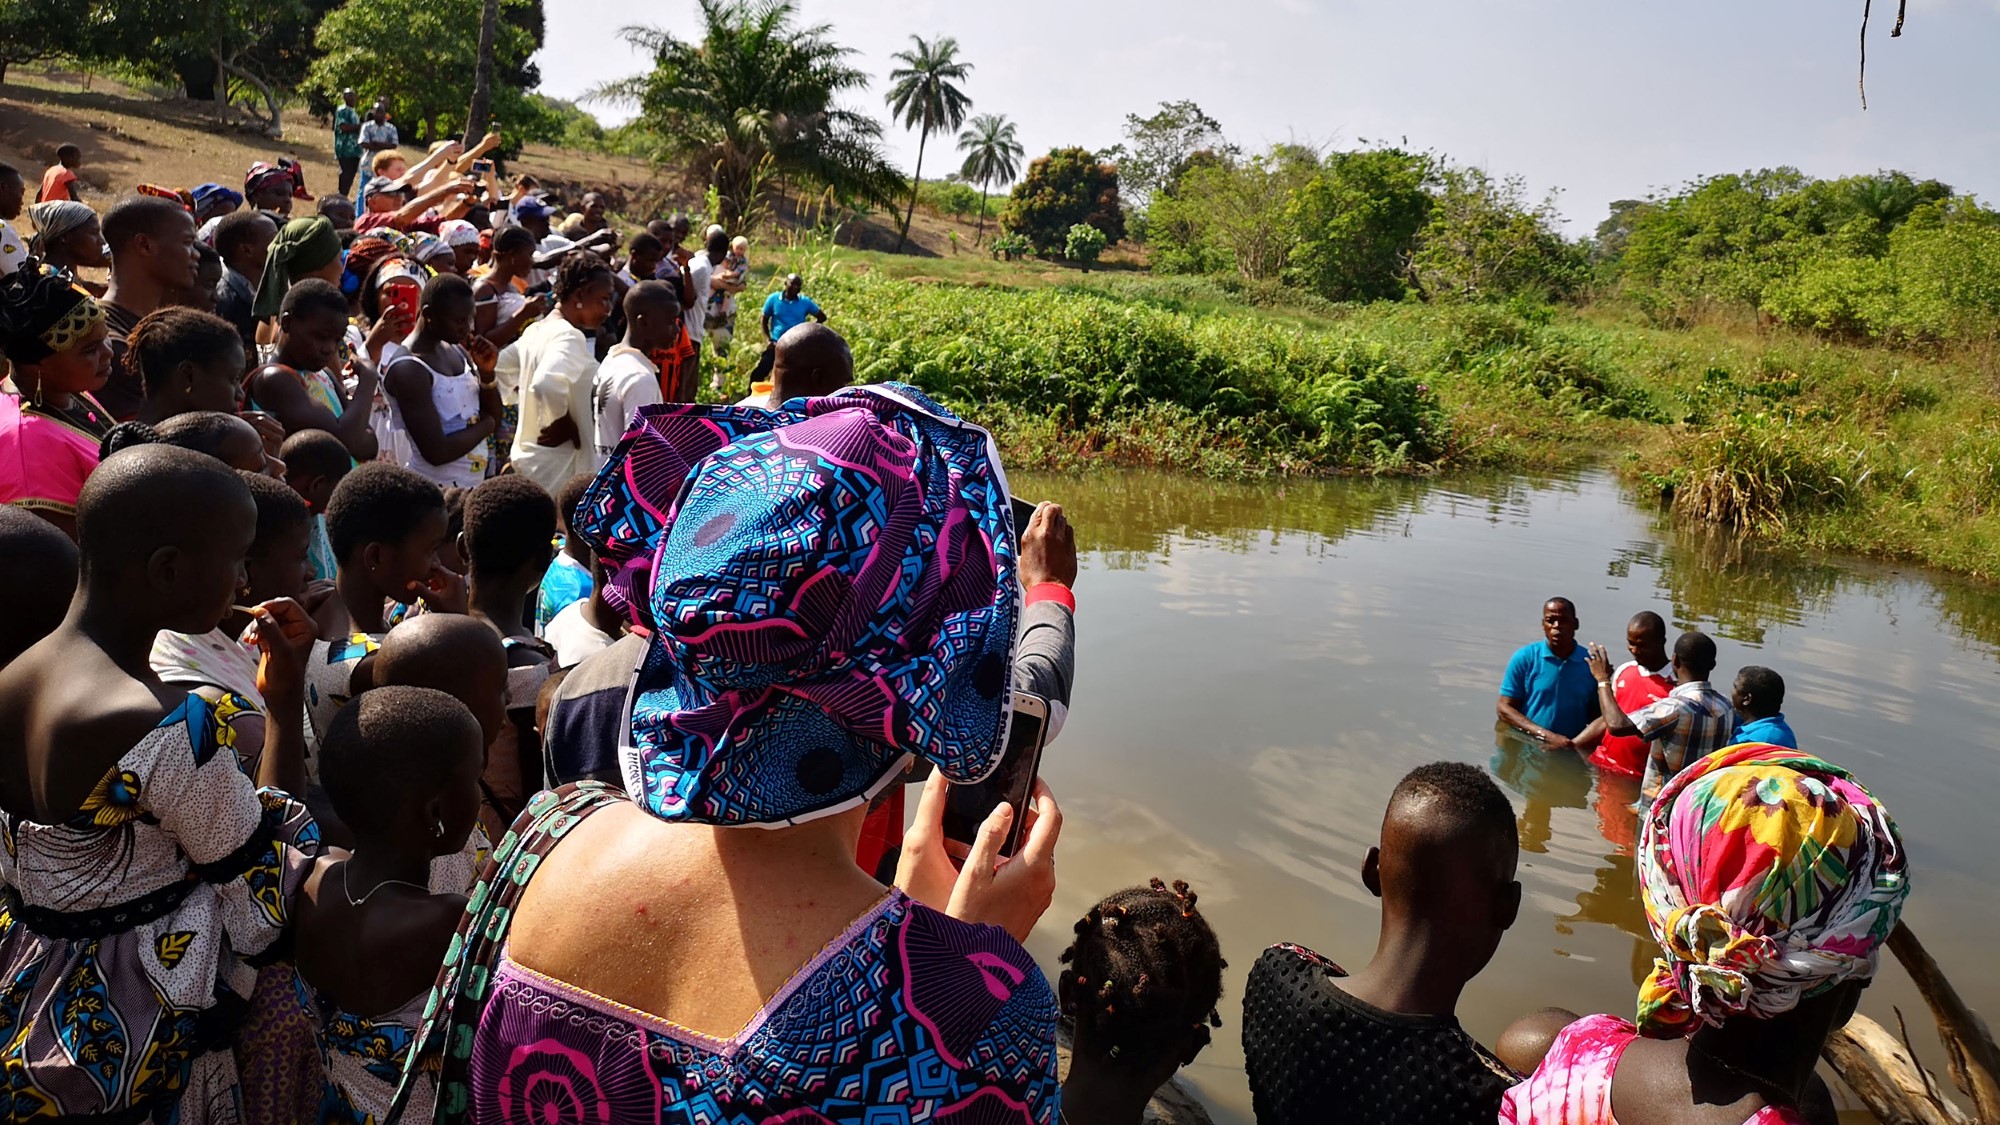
point(1548, 692)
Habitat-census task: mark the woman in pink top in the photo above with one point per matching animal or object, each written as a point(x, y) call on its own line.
point(53, 333)
point(1770, 880)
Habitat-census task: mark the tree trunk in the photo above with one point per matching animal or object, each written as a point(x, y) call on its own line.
point(274, 126)
point(480, 115)
point(916, 185)
point(221, 87)
point(979, 235)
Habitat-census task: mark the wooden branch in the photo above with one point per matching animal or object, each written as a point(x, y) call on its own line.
point(1975, 1060)
point(1876, 1066)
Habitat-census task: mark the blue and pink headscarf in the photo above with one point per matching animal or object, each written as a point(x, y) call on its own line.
point(831, 589)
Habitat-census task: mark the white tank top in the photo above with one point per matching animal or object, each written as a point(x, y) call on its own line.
point(456, 399)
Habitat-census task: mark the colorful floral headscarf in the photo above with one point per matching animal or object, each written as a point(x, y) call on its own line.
point(1769, 876)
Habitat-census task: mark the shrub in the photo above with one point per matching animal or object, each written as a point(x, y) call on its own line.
point(1084, 244)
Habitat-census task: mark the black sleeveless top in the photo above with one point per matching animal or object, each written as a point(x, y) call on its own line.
point(1315, 1054)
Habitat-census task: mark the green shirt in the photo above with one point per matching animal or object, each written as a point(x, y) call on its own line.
point(346, 144)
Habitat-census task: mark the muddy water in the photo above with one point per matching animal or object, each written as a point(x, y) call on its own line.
point(1259, 665)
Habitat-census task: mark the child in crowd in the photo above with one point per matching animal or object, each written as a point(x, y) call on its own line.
point(1384, 1045)
point(584, 627)
point(461, 656)
point(510, 524)
point(634, 372)
point(315, 464)
point(1139, 996)
point(1759, 698)
point(220, 666)
point(302, 387)
point(728, 278)
point(386, 525)
point(144, 869)
point(38, 571)
point(454, 530)
point(59, 180)
point(443, 404)
point(225, 437)
point(568, 579)
point(186, 361)
point(401, 765)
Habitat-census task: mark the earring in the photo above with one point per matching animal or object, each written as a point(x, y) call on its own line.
point(437, 829)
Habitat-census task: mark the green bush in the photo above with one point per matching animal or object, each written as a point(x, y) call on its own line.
point(1084, 244)
point(1292, 400)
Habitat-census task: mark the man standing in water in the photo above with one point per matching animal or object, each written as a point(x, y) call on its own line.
point(1546, 693)
point(1692, 722)
point(1637, 684)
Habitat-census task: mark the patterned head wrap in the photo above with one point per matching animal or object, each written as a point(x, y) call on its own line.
point(831, 589)
point(302, 246)
point(458, 232)
point(56, 220)
point(42, 313)
point(221, 196)
point(1769, 876)
point(263, 174)
point(184, 198)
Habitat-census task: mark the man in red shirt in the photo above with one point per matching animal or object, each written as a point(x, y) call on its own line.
point(1638, 683)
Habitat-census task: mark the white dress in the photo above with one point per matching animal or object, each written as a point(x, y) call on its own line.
point(456, 399)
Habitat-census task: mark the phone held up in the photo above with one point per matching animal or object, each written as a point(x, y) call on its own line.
point(1012, 782)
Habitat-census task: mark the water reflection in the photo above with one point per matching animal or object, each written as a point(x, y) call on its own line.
point(1259, 664)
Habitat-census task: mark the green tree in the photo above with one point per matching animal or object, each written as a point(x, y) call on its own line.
point(992, 155)
point(752, 100)
point(31, 30)
point(924, 96)
point(1083, 244)
point(420, 55)
point(1064, 188)
point(1159, 149)
point(1230, 215)
point(1486, 241)
point(1356, 222)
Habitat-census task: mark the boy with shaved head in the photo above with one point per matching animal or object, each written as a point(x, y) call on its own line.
point(1383, 1046)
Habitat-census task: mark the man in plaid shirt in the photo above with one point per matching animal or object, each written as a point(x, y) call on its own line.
point(1692, 722)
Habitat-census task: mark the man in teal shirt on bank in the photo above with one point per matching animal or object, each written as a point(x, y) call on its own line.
point(347, 140)
point(1548, 692)
point(782, 313)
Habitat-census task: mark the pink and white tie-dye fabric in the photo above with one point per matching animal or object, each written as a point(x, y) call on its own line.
point(1573, 1084)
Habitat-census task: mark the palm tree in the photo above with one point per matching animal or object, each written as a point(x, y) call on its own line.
point(992, 155)
point(753, 99)
point(923, 97)
point(481, 112)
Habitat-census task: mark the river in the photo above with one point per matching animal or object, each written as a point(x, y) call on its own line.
point(1259, 664)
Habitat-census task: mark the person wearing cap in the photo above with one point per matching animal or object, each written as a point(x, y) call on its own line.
point(532, 215)
point(347, 139)
point(752, 723)
point(394, 204)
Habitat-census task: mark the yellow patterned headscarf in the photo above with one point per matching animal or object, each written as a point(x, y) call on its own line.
point(1768, 876)
point(43, 313)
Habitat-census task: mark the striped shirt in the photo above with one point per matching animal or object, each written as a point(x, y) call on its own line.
point(1692, 722)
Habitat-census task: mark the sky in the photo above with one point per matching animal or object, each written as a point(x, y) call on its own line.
point(1602, 99)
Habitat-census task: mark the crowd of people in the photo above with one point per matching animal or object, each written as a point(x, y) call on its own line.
point(401, 653)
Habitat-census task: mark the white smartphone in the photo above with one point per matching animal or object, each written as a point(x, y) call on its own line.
point(1012, 782)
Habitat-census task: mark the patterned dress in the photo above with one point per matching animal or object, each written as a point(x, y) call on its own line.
point(364, 1059)
point(1573, 1084)
point(908, 1015)
point(129, 932)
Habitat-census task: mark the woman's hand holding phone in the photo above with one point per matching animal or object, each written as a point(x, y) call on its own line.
point(1009, 892)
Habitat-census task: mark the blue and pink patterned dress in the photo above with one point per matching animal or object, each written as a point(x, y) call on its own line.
point(907, 1016)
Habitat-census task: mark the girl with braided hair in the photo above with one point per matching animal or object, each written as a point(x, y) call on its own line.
point(1138, 998)
point(54, 335)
